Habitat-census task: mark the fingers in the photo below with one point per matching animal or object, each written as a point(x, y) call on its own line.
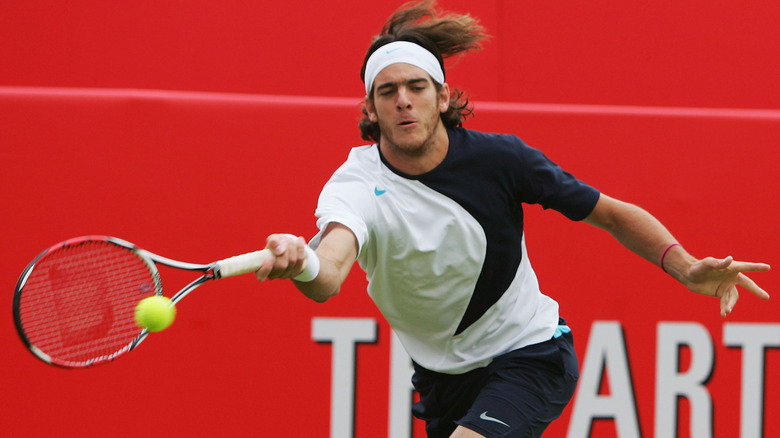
point(728, 300)
point(729, 263)
point(289, 257)
point(750, 285)
point(265, 270)
point(723, 263)
point(710, 266)
point(750, 267)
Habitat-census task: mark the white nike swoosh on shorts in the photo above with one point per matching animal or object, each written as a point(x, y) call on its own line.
point(484, 416)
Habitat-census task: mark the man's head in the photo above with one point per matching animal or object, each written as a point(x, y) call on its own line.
point(407, 105)
point(417, 35)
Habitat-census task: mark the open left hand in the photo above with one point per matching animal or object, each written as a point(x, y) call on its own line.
point(720, 278)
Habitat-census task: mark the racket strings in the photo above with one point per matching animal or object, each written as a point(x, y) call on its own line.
point(78, 303)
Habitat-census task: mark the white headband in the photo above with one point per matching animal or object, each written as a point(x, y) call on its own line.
point(401, 52)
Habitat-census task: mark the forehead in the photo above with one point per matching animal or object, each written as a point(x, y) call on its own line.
point(400, 72)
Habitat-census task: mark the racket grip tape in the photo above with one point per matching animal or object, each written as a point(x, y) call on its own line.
point(241, 264)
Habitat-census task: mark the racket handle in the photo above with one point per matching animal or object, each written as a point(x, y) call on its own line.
point(241, 264)
point(251, 262)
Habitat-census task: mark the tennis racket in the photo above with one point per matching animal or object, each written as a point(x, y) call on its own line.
point(74, 304)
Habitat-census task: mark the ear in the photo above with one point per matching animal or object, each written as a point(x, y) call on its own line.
point(371, 110)
point(444, 98)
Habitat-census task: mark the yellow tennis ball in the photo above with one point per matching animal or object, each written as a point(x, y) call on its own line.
point(155, 313)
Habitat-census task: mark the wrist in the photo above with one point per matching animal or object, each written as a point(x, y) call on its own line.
point(311, 268)
point(676, 262)
point(663, 255)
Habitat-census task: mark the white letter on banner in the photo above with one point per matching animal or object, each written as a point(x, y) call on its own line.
point(754, 339)
point(606, 355)
point(671, 383)
point(344, 334)
point(401, 390)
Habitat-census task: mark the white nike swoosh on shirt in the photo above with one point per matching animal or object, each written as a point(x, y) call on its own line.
point(485, 416)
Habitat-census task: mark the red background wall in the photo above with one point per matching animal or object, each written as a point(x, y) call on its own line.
point(194, 129)
point(693, 53)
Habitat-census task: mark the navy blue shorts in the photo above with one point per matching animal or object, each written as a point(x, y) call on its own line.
point(517, 396)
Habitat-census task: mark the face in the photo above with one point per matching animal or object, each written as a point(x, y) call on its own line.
point(408, 108)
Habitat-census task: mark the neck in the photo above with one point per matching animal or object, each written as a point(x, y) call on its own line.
point(419, 160)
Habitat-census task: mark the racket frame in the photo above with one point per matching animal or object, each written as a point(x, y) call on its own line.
point(150, 259)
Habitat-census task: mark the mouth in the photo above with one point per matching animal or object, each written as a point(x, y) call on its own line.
point(406, 123)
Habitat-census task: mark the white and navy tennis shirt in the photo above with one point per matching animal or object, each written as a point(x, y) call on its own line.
point(444, 252)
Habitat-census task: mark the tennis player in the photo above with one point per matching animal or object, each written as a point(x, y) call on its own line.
point(433, 214)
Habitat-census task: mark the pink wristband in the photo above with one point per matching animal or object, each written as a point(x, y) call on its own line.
point(664, 254)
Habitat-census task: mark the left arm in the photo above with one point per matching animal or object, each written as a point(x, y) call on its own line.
point(640, 232)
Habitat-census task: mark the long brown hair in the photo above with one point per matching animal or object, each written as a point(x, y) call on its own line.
point(442, 34)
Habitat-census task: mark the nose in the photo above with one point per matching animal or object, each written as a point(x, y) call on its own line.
point(403, 101)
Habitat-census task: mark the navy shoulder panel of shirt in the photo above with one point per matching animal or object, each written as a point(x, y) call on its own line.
point(491, 176)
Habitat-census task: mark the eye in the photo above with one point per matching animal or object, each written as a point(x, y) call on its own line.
point(386, 91)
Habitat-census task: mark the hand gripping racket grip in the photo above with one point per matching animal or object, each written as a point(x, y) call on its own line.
point(251, 262)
